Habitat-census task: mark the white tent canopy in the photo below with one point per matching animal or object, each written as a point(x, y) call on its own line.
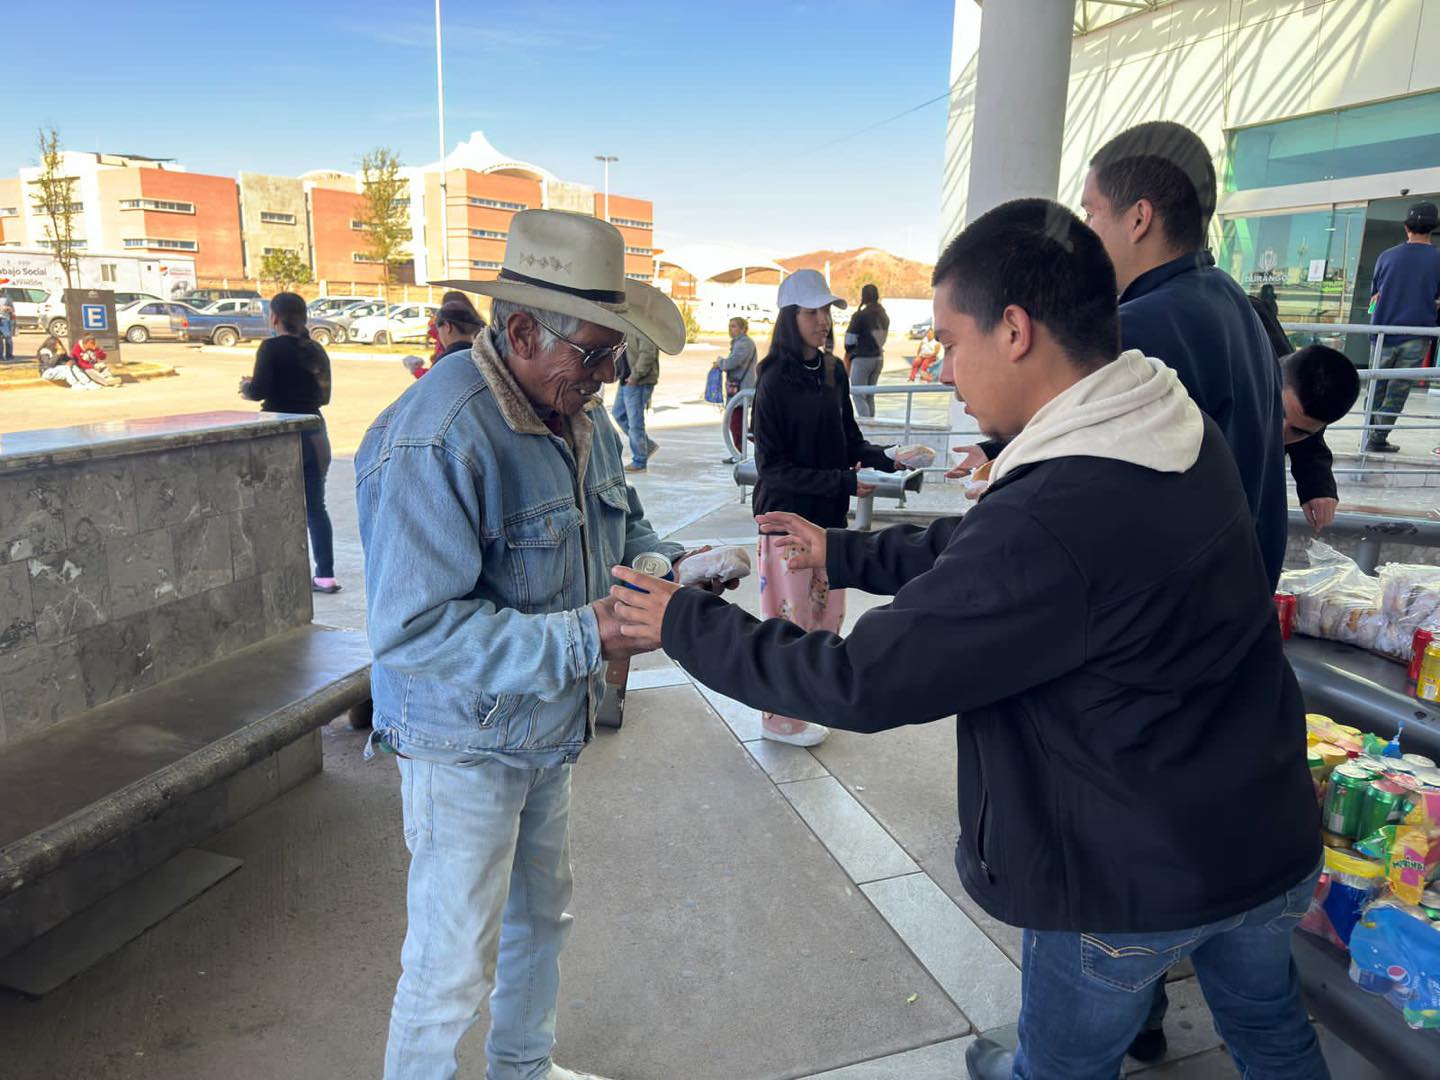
point(704, 262)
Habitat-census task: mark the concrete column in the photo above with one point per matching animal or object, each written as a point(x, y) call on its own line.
point(1020, 91)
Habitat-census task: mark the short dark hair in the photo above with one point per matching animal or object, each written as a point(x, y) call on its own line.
point(1037, 255)
point(461, 315)
point(869, 293)
point(1324, 379)
point(1167, 165)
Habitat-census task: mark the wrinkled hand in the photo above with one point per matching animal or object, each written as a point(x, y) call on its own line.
point(641, 614)
point(614, 645)
point(971, 458)
point(1320, 512)
point(804, 541)
point(714, 585)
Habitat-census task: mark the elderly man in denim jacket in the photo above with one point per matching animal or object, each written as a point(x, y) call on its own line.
point(492, 504)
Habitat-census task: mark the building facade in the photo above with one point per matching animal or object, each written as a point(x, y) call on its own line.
point(459, 211)
point(1323, 117)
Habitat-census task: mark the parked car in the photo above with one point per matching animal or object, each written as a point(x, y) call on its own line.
point(155, 318)
point(27, 303)
point(52, 315)
point(918, 330)
point(328, 306)
point(406, 322)
point(347, 316)
point(231, 327)
point(206, 295)
point(125, 299)
point(229, 304)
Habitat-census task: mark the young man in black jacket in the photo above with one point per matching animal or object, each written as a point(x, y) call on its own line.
point(1132, 781)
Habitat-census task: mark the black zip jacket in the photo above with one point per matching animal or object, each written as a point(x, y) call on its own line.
point(1131, 737)
point(807, 441)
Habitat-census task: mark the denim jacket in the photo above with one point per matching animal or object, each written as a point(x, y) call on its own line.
point(486, 536)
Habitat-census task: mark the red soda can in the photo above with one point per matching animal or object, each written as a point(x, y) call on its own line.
point(1285, 612)
point(1417, 652)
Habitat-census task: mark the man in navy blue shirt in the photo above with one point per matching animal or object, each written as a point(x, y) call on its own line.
point(1406, 292)
point(1150, 194)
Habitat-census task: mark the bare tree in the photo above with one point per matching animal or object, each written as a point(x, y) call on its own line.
point(55, 199)
point(386, 215)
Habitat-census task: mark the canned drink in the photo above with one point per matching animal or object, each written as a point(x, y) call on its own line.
point(1427, 684)
point(1316, 763)
point(1400, 767)
point(1418, 644)
point(1345, 799)
point(1285, 612)
point(1418, 759)
point(1373, 767)
point(1383, 804)
point(1330, 756)
point(651, 564)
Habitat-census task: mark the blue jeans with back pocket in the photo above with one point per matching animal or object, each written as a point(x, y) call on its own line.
point(1085, 996)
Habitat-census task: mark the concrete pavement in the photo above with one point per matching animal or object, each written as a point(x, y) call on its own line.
point(744, 909)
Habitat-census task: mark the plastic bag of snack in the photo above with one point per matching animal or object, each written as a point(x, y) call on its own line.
point(1347, 884)
point(1395, 952)
point(1413, 860)
point(912, 456)
point(718, 564)
point(1334, 598)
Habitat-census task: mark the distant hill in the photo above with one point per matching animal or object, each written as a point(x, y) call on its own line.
point(895, 277)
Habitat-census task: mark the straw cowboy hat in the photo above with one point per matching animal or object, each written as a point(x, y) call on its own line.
point(574, 264)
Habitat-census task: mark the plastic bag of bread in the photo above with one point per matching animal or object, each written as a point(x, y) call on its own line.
point(718, 564)
point(912, 456)
point(1334, 598)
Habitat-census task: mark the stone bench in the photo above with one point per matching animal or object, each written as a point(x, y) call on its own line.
point(159, 673)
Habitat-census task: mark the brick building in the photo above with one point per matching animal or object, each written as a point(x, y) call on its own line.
point(127, 203)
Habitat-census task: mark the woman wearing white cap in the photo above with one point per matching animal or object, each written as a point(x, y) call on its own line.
point(807, 448)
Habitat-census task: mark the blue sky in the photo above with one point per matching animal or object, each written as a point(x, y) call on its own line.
point(737, 118)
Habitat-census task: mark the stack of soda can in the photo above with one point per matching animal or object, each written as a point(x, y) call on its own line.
point(1361, 793)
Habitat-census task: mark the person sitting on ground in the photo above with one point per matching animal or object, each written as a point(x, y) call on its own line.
point(926, 357)
point(739, 368)
point(1101, 626)
point(57, 367)
point(90, 358)
point(1320, 385)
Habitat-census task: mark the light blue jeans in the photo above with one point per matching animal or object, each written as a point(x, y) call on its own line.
point(489, 882)
point(629, 412)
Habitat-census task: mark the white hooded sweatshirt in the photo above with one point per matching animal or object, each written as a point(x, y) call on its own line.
point(1133, 410)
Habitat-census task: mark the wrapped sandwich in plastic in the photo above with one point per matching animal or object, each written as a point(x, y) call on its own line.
point(718, 564)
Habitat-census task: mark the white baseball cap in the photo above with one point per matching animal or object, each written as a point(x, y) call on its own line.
point(807, 289)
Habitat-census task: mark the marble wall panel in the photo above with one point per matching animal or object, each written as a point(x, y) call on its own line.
point(167, 489)
point(69, 591)
point(117, 658)
point(41, 685)
point(17, 616)
point(99, 499)
point(202, 555)
point(32, 519)
point(142, 572)
point(288, 600)
point(225, 476)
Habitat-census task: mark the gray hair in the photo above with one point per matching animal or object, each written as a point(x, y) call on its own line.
point(501, 310)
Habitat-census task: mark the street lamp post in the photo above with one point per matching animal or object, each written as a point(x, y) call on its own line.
point(444, 171)
point(607, 160)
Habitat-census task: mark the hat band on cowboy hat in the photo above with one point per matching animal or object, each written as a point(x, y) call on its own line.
point(574, 264)
point(603, 296)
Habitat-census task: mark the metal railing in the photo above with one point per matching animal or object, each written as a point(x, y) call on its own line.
point(906, 428)
point(1370, 380)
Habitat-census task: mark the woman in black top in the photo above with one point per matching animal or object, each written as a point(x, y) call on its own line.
point(292, 375)
point(807, 448)
point(865, 346)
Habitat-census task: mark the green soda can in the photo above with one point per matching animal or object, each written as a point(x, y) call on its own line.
point(1345, 799)
point(1382, 805)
